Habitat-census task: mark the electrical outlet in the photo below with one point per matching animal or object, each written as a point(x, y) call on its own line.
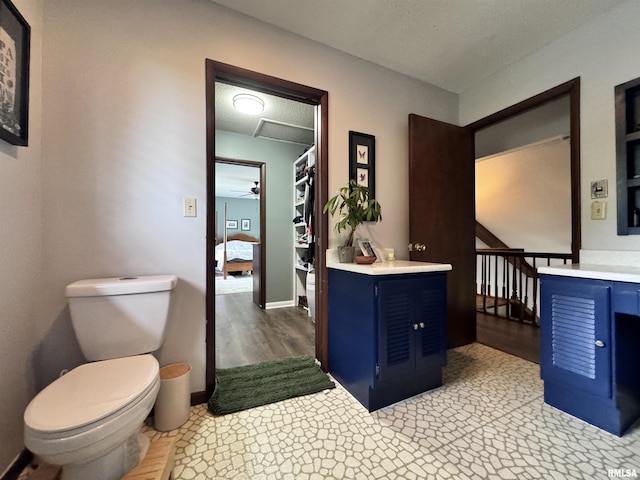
point(189, 206)
point(598, 210)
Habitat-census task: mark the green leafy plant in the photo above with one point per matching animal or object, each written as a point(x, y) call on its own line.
point(354, 206)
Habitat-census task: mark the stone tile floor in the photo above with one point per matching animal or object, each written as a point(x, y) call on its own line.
point(488, 421)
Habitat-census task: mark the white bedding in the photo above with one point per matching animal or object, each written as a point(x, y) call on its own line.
point(236, 251)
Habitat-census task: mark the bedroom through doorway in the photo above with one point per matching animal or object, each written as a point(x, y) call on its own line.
point(240, 225)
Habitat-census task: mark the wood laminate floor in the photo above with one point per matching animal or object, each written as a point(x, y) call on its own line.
point(519, 339)
point(246, 334)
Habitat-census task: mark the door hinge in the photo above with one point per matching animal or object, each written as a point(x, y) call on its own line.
point(375, 291)
point(377, 370)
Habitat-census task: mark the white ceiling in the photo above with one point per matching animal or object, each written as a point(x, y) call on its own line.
point(452, 44)
point(236, 181)
point(282, 120)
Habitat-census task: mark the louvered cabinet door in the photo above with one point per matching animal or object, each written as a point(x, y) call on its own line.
point(575, 334)
point(431, 305)
point(396, 335)
point(412, 325)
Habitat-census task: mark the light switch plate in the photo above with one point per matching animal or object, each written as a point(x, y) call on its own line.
point(600, 189)
point(189, 206)
point(598, 210)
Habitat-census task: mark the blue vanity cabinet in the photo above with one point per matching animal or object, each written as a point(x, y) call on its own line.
point(387, 334)
point(589, 355)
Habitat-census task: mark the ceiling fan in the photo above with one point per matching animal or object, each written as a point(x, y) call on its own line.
point(253, 191)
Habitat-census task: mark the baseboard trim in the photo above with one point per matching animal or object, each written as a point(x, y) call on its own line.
point(197, 398)
point(286, 303)
point(18, 465)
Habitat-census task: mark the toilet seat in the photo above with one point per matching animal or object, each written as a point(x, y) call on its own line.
point(90, 393)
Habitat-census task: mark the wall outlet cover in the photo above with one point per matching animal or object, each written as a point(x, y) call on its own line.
point(598, 210)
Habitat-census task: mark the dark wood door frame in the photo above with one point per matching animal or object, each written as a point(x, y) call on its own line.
point(571, 88)
point(221, 72)
point(263, 215)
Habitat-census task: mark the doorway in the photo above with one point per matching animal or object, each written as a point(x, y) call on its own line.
point(441, 173)
point(570, 89)
point(228, 74)
point(240, 194)
point(541, 135)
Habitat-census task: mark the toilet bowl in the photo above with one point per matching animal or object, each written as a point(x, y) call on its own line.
point(89, 419)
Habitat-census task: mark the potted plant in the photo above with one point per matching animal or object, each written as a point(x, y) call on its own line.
point(355, 207)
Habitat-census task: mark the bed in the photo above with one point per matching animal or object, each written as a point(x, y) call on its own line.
point(235, 254)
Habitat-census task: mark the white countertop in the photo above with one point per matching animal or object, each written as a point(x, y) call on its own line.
point(390, 268)
point(617, 273)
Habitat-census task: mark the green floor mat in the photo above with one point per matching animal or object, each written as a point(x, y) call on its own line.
point(240, 388)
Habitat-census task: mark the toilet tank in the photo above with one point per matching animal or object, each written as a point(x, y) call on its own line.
point(122, 316)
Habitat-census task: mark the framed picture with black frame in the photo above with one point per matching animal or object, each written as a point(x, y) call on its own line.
point(362, 160)
point(15, 40)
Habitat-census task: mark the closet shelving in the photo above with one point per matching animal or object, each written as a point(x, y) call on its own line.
point(627, 98)
point(301, 265)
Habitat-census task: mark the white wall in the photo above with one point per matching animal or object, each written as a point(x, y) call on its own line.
point(20, 254)
point(603, 53)
point(523, 196)
point(124, 136)
point(535, 125)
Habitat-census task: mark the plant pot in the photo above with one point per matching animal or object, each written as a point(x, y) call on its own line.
point(345, 254)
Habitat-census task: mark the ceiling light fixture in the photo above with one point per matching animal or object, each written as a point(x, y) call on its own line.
point(247, 103)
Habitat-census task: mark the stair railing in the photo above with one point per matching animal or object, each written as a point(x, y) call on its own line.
point(507, 283)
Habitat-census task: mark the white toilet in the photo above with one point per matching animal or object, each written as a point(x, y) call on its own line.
point(88, 421)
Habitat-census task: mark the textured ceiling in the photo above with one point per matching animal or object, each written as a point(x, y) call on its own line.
point(452, 44)
point(282, 120)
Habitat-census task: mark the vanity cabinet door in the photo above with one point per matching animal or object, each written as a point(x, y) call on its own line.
point(411, 325)
point(575, 333)
point(431, 312)
point(396, 342)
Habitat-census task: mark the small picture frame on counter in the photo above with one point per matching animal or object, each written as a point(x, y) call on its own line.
point(367, 248)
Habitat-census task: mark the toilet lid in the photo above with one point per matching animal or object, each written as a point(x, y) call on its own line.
point(90, 392)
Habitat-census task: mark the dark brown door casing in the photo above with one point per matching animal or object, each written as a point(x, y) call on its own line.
point(442, 214)
point(217, 71)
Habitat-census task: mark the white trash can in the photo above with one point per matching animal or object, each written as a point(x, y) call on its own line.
point(311, 294)
point(174, 398)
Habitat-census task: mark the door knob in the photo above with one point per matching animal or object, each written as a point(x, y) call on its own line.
point(599, 343)
point(415, 326)
point(418, 247)
point(421, 324)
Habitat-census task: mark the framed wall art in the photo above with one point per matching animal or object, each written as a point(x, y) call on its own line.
point(362, 160)
point(15, 39)
point(245, 224)
point(232, 224)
